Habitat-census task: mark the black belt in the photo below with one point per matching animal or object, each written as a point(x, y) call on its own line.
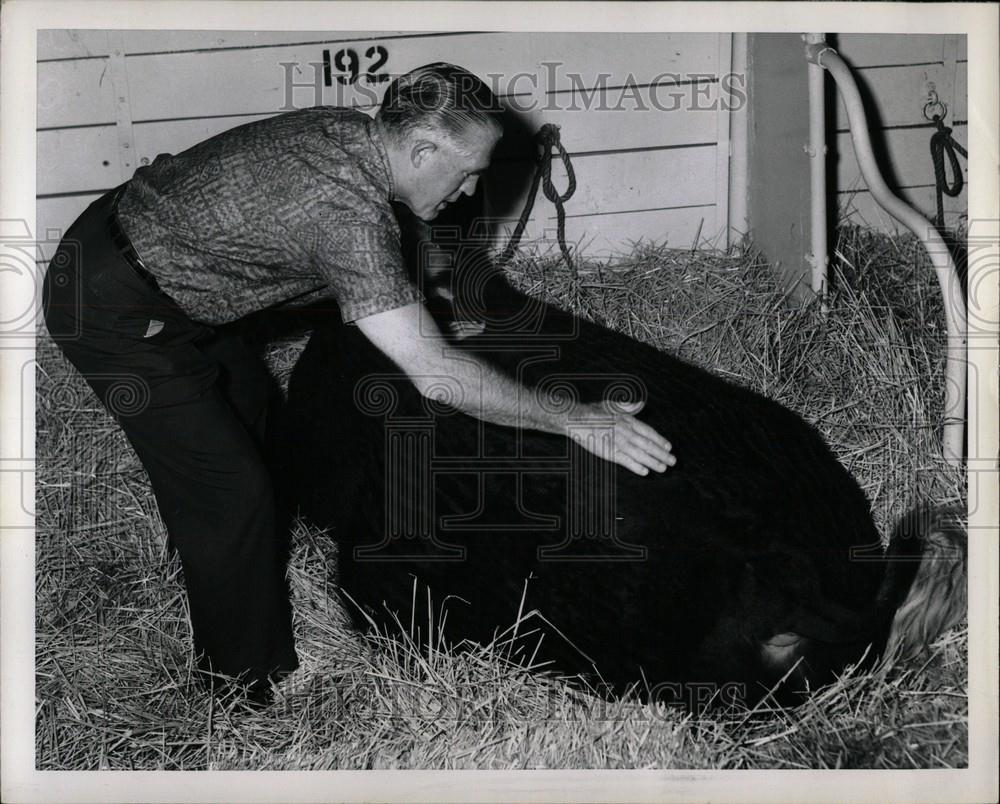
point(122, 243)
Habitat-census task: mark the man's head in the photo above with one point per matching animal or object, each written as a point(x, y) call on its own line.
point(440, 124)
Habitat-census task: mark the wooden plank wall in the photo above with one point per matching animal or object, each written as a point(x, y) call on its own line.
point(896, 72)
point(111, 101)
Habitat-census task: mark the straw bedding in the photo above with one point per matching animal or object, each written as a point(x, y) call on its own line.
point(114, 682)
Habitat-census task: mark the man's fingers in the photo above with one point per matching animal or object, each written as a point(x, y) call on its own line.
point(618, 449)
point(644, 439)
point(649, 433)
point(641, 455)
point(638, 443)
point(626, 460)
point(626, 412)
point(633, 455)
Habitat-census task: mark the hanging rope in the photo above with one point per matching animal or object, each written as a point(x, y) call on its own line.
point(546, 138)
point(943, 143)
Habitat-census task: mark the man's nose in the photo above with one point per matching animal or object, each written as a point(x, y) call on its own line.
point(469, 185)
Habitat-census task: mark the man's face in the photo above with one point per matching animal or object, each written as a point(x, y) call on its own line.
point(445, 169)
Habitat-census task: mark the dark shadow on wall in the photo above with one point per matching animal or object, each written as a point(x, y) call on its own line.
point(876, 123)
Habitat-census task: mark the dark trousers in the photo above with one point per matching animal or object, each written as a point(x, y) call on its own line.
point(192, 401)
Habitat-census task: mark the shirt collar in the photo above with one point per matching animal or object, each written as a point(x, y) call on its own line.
point(376, 138)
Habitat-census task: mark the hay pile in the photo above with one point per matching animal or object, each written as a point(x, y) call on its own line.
point(114, 686)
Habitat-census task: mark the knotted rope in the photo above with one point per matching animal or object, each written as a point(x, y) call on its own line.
point(547, 139)
point(943, 143)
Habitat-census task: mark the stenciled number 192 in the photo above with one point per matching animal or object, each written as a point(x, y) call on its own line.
point(348, 65)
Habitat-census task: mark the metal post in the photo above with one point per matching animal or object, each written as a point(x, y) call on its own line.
point(816, 150)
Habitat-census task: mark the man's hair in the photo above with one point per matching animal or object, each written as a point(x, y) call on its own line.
point(439, 97)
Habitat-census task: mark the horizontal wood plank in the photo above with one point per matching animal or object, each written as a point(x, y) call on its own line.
point(614, 182)
point(65, 43)
point(908, 158)
point(622, 181)
point(69, 44)
point(653, 116)
point(75, 159)
point(867, 50)
point(75, 93)
point(900, 94)
point(860, 208)
point(139, 42)
point(873, 49)
point(609, 236)
point(618, 234)
point(582, 59)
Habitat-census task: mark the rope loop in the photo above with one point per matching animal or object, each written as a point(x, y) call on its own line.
point(546, 139)
point(942, 143)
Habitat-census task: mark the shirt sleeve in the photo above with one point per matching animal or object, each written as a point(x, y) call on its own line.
point(361, 259)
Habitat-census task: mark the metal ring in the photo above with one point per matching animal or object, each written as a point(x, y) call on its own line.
point(940, 105)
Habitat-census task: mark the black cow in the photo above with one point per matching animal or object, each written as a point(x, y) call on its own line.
point(754, 560)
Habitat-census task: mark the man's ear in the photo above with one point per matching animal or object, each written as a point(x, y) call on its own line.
point(421, 151)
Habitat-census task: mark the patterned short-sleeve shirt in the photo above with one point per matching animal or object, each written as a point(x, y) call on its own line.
point(288, 209)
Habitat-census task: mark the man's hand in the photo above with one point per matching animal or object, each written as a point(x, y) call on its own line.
point(610, 430)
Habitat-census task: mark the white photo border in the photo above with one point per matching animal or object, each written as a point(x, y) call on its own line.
point(22, 783)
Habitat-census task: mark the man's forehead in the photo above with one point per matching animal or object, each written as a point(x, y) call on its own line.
point(476, 147)
point(478, 163)
point(480, 136)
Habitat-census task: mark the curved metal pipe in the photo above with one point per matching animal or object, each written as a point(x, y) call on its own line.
point(937, 250)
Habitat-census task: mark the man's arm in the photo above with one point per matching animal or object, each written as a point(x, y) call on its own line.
point(411, 339)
